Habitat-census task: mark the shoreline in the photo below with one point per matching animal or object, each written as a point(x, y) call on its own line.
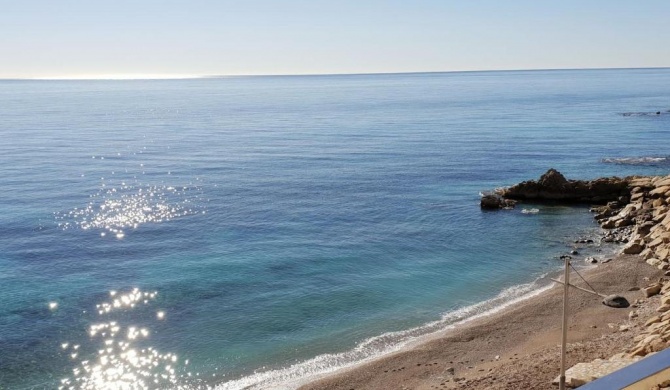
point(507, 344)
point(398, 341)
point(519, 347)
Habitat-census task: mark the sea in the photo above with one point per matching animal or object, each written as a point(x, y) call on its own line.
point(260, 232)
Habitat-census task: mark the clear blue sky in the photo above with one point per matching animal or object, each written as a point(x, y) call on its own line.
point(64, 38)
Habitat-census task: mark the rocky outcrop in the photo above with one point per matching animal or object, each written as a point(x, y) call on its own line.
point(553, 186)
point(655, 335)
point(495, 202)
point(643, 223)
point(636, 213)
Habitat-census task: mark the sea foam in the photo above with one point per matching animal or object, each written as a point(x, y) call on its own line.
point(650, 161)
point(373, 348)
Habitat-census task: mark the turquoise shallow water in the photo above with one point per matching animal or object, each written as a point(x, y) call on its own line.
point(308, 221)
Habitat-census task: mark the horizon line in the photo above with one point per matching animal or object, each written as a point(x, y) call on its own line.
point(149, 76)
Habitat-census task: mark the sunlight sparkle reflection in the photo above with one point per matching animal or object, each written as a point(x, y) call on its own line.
point(120, 359)
point(116, 209)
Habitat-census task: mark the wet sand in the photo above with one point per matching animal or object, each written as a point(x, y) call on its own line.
point(517, 348)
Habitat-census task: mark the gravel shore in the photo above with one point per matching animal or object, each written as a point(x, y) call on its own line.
point(518, 348)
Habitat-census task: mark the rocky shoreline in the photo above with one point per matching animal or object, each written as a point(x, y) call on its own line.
point(519, 348)
point(555, 188)
point(634, 211)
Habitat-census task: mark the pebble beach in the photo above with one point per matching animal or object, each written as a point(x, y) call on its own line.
point(519, 348)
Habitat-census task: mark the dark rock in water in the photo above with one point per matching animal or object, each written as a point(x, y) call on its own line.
point(553, 186)
point(615, 301)
point(574, 252)
point(608, 224)
point(553, 179)
point(563, 257)
point(490, 202)
point(495, 202)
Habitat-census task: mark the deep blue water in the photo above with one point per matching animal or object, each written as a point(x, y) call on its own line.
point(280, 219)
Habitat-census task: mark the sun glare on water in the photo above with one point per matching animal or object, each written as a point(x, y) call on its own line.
point(123, 76)
point(115, 209)
point(119, 357)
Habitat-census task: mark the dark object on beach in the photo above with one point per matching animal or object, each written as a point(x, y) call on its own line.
point(658, 113)
point(616, 301)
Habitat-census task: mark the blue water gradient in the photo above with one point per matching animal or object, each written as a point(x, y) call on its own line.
point(284, 218)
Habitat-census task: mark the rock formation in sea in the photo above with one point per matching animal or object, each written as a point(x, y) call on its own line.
point(636, 214)
point(634, 210)
point(553, 186)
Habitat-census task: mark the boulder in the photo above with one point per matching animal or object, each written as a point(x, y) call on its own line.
point(609, 224)
point(663, 308)
point(633, 248)
point(616, 301)
point(643, 182)
point(659, 191)
point(495, 202)
point(652, 290)
point(652, 320)
point(656, 242)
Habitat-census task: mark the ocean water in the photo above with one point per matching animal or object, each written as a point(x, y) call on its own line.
point(258, 231)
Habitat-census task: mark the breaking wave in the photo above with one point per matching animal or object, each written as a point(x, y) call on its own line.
point(653, 113)
point(299, 374)
point(649, 161)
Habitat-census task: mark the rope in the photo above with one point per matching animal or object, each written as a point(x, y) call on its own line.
point(587, 283)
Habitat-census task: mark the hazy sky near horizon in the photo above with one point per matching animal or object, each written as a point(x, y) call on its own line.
point(83, 38)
